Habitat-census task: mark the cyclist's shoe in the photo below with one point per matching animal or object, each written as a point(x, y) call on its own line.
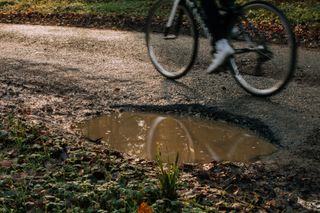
point(223, 50)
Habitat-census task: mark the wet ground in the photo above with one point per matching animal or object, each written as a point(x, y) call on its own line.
point(63, 76)
point(195, 140)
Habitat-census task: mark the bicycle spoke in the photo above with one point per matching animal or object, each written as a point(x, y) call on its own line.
point(264, 61)
point(173, 51)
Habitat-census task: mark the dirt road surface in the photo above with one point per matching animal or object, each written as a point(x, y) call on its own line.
point(61, 76)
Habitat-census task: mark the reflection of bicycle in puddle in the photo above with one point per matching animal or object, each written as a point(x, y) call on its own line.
point(187, 153)
point(199, 141)
point(142, 134)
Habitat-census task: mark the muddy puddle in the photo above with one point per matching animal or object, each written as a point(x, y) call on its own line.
point(196, 140)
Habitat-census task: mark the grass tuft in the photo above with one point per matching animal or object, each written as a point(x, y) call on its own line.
point(168, 177)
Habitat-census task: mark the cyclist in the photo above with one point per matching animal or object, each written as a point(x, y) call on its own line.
point(217, 25)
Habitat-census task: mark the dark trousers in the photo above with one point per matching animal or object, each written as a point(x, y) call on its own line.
point(217, 24)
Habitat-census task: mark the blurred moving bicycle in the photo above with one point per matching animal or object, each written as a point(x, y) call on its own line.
point(264, 52)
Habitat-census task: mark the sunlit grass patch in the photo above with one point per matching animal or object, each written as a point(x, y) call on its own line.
point(301, 13)
point(121, 7)
point(298, 12)
point(41, 6)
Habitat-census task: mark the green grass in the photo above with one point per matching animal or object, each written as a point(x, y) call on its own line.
point(34, 177)
point(168, 177)
point(122, 7)
point(119, 7)
point(299, 12)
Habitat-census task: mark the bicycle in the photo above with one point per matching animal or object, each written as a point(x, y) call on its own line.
point(264, 43)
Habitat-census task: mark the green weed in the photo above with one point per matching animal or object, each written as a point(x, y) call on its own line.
point(15, 132)
point(168, 177)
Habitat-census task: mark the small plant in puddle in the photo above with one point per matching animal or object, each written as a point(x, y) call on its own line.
point(168, 177)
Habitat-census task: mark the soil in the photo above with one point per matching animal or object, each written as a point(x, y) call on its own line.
point(59, 76)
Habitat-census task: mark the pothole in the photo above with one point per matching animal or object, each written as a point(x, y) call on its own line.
point(196, 140)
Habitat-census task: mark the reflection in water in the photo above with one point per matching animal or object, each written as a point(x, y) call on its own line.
point(143, 134)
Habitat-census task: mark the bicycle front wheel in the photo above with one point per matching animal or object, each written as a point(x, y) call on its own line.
point(265, 47)
point(172, 50)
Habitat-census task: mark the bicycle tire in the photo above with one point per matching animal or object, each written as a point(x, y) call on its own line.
point(267, 70)
point(172, 58)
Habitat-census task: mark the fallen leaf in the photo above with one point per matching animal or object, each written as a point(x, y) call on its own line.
point(144, 208)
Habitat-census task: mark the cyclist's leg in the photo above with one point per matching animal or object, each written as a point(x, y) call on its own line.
point(214, 20)
point(218, 28)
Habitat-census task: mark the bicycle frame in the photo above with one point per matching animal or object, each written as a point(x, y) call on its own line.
point(200, 19)
point(196, 13)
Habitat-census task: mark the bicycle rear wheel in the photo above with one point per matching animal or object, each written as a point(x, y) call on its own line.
point(265, 47)
point(171, 50)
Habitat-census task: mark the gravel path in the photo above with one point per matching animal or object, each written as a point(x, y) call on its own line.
point(64, 75)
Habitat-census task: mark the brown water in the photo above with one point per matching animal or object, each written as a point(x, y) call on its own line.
point(142, 134)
